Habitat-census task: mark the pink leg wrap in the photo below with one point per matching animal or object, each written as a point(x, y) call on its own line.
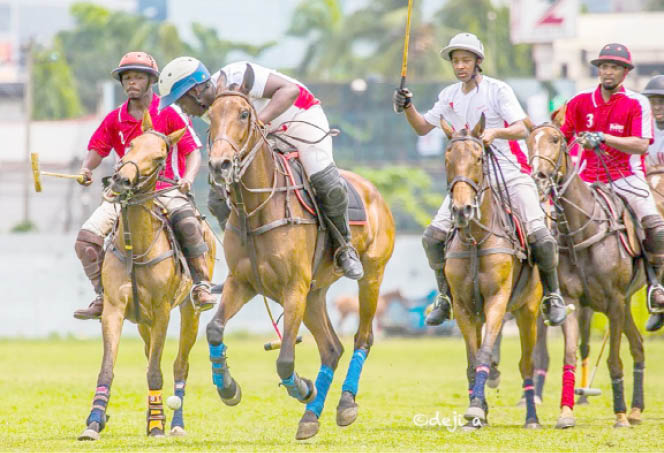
point(567, 396)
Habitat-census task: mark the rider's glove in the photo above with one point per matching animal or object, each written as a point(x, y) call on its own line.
point(401, 99)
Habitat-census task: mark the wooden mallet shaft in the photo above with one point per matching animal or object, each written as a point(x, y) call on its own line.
point(404, 62)
point(276, 344)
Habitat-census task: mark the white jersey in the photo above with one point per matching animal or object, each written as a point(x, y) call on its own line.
point(501, 108)
point(235, 75)
point(655, 154)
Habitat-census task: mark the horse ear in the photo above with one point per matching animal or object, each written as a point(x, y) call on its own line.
point(479, 127)
point(444, 125)
point(221, 83)
point(558, 116)
point(147, 121)
point(175, 137)
point(248, 80)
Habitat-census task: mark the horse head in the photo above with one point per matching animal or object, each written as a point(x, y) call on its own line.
point(464, 167)
point(140, 166)
point(547, 153)
point(234, 136)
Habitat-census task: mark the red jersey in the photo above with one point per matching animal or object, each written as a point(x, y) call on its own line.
point(119, 128)
point(626, 114)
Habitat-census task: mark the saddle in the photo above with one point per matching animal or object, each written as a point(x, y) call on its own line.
point(622, 219)
point(295, 173)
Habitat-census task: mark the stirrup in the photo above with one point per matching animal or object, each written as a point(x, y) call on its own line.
point(551, 297)
point(200, 307)
point(652, 308)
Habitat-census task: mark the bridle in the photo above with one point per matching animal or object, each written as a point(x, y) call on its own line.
point(479, 192)
point(563, 155)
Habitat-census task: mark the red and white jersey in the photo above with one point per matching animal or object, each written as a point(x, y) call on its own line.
point(655, 154)
point(235, 74)
point(497, 101)
point(626, 114)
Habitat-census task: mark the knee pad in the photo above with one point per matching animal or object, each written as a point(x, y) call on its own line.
point(188, 231)
point(654, 229)
point(545, 249)
point(331, 190)
point(433, 241)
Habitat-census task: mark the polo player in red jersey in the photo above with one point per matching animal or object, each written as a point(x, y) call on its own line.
point(137, 72)
point(615, 128)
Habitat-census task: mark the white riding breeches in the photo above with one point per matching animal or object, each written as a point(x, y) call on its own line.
point(634, 189)
point(522, 193)
point(104, 217)
point(316, 156)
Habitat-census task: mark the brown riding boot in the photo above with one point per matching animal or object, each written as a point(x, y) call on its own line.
point(200, 291)
point(90, 250)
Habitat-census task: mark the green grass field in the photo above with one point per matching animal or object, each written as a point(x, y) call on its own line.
point(46, 389)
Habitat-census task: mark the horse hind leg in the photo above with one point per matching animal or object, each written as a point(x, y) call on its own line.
point(526, 318)
point(369, 288)
point(616, 323)
point(317, 320)
point(585, 318)
point(111, 322)
point(571, 335)
point(188, 331)
point(636, 349)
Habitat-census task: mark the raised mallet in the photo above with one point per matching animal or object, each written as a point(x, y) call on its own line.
point(589, 391)
point(36, 173)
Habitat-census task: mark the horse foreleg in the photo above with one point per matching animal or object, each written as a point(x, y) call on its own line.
point(330, 349)
point(571, 336)
point(188, 331)
point(541, 359)
point(472, 335)
point(294, 303)
point(585, 317)
point(369, 288)
point(616, 323)
point(235, 294)
point(636, 349)
point(156, 419)
point(526, 318)
point(111, 324)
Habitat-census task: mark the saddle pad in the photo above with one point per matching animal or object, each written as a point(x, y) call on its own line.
point(357, 215)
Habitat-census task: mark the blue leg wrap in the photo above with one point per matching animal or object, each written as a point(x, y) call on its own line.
point(178, 419)
point(481, 375)
point(529, 393)
point(354, 371)
point(99, 404)
point(218, 359)
point(323, 382)
point(291, 386)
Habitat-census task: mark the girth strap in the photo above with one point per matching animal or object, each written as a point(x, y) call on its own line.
point(484, 252)
point(123, 258)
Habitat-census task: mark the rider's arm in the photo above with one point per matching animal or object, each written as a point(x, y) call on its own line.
point(416, 120)
point(92, 160)
point(629, 145)
point(282, 94)
point(515, 131)
point(193, 165)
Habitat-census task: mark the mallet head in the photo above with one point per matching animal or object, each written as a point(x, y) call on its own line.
point(36, 176)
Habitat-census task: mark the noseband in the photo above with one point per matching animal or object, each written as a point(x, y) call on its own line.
point(563, 151)
point(460, 178)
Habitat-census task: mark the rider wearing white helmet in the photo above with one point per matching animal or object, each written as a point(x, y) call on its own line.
point(282, 104)
point(461, 105)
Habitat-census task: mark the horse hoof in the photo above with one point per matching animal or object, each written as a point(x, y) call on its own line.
point(347, 409)
point(308, 426)
point(634, 417)
point(621, 421)
point(475, 413)
point(473, 426)
point(89, 434)
point(177, 431)
point(583, 399)
point(156, 432)
point(493, 383)
point(565, 422)
point(313, 392)
point(236, 397)
point(532, 424)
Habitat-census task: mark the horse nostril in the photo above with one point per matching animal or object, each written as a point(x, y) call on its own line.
point(225, 165)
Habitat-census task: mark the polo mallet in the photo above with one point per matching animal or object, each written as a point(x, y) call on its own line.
point(275, 344)
point(589, 391)
point(404, 62)
point(36, 173)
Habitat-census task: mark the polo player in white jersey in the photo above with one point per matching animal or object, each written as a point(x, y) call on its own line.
point(284, 106)
point(462, 105)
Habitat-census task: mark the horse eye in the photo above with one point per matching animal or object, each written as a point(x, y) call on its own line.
point(244, 115)
point(556, 139)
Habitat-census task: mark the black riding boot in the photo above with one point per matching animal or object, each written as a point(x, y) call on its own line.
point(332, 194)
point(433, 242)
point(653, 244)
point(545, 254)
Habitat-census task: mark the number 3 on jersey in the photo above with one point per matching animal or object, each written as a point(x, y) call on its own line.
point(589, 120)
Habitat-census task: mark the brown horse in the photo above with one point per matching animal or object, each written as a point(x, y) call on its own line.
point(270, 248)
point(596, 271)
point(159, 280)
point(486, 271)
point(349, 305)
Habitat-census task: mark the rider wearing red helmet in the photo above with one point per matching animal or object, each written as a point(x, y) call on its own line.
point(137, 72)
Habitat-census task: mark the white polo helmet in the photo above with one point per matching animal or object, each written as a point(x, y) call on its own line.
point(178, 77)
point(463, 41)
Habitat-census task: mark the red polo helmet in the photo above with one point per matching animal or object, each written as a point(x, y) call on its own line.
point(136, 61)
point(614, 53)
